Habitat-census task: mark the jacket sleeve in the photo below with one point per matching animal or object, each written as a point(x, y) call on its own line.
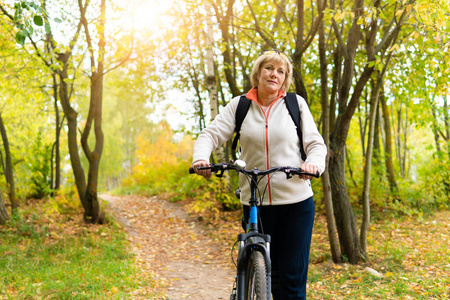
point(218, 132)
point(313, 143)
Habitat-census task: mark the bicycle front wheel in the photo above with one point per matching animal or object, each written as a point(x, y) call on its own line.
point(256, 286)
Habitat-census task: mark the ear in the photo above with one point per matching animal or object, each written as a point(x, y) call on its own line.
point(257, 77)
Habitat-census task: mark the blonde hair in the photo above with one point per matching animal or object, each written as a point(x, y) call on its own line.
point(276, 57)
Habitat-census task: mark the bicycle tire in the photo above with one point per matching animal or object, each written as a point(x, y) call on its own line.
point(256, 287)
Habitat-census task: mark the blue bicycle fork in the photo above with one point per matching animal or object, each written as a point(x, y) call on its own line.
point(252, 241)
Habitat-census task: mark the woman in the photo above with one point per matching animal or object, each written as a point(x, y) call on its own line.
point(269, 138)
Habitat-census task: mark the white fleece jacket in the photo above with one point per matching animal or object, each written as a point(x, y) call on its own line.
point(268, 139)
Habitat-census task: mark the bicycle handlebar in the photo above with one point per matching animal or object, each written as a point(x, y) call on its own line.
point(219, 168)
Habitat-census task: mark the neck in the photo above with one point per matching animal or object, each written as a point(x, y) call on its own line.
point(266, 99)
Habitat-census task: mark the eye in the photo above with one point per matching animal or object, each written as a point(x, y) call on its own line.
point(281, 71)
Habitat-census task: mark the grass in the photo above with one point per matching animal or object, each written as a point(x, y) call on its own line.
point(50, 254)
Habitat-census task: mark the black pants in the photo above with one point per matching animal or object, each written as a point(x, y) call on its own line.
point(290, 227)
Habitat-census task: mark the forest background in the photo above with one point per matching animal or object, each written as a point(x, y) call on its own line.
point(109, 95)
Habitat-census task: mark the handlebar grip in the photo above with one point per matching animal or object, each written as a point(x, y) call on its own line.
point(192, 171)
point(317, 175)
point(300, 172)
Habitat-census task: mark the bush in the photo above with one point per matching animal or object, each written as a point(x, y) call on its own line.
point(435, 183)
point(207, 197)
point(39, 165)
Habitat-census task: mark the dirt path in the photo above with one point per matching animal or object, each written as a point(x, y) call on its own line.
point(174, 247)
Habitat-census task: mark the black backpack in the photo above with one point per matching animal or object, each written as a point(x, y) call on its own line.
point(294, 111)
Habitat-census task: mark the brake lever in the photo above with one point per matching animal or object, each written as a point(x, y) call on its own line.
point(219, 173)
point(219, 169)
point(288, 173)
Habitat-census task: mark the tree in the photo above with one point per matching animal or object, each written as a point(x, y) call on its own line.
point(88, 191)
point(61, 62)
point(350, 87)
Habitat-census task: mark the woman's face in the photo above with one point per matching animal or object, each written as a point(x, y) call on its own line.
point(271, 77)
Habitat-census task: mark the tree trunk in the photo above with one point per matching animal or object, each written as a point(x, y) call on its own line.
point(376, 143)
point(367, 167)
point(343, 213)
point(3, 212)
point(447, 124)
point(302, 43)
point(72, 139)
point(402, 133)
point(327, 197)
point(405, 156)
point(298, 54)
point(363, 125)
point(447, 138)
point(9, 172)
point(93, 212)
point(211, 84)
point(435, 128)
point(224, 26)
point(389, 164)
point(56, 178)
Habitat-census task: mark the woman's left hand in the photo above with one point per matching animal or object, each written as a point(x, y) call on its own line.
point(309, 168)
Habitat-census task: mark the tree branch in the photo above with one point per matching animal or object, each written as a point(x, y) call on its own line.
point(258, 28)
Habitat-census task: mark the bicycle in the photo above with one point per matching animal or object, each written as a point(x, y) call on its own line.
point(253, 279)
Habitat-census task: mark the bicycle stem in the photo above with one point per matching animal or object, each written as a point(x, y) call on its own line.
point(253, 226)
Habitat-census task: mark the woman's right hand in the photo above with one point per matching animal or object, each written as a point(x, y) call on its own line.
point(202, 163)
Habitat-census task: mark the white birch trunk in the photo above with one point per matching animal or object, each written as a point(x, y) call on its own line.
point(211, 84)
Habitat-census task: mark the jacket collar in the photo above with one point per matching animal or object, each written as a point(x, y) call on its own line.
point(253, 94)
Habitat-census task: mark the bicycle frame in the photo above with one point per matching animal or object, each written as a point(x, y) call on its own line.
point(250, 241)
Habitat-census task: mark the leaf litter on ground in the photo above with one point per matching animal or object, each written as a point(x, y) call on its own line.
point(407, 257)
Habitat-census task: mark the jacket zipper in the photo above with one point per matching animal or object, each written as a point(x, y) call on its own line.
point(267, 158)
point(266, 118)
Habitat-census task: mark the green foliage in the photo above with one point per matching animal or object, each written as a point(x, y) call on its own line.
point(206, 197)
point(215, 193)
point(28, 14)
point(163, 170)
point(39, 165)
point(435, 182)
point(24, 12)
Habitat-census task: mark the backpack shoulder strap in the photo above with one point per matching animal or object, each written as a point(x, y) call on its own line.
point(241, 112)
point(294, 111)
